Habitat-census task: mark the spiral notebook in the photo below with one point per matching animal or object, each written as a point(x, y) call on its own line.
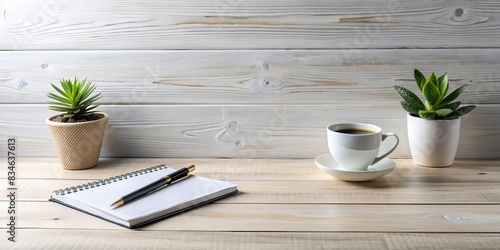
point(95, 198)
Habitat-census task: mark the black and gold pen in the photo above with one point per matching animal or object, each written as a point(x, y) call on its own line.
point(165, 180)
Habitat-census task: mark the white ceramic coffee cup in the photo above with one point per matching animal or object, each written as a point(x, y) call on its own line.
point(357, 150)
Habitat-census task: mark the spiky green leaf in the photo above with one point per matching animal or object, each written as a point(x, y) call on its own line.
point(74, 98)
point(419, 78)
point(59, 104)
point(60, 99)
point(409, 97)
point(60, 91)
point(430, 115)
point(454, 95)
point(58, 108)
point(443, 84)
point(433, 79)
point(431, 92)
point(91, 108)
point(452, 106)
point(84, 90)
point(461, 111)
point(64, 85)
point(443, 112)
point(410, 108)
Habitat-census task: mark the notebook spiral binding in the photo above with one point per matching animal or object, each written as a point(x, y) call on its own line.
point(102, 182)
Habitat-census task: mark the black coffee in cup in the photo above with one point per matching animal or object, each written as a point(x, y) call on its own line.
point(355, 131)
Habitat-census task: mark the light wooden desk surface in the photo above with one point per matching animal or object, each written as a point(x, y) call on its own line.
point(282, 204)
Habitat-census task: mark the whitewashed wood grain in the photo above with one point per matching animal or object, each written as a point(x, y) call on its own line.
point(287, 218)
point(328, 191)
point(293, 216)
point(464, 171)
point(96, 239)
point(256, 24)
point(340, 77)
point(244, 131)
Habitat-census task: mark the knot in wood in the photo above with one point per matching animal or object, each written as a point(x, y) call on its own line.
point(21, 84)
point(265, 66)
point(232, 126)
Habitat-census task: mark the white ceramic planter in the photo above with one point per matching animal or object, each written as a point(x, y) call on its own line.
point(433, 143)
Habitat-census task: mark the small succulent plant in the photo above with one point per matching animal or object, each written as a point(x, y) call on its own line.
point(436, 105)
point(75, 98)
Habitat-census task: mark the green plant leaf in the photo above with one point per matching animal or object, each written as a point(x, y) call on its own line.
point(64, 85)
point(92, 108)
point(461, 111)
point(454, 95)
point(419, 78)
point(58, 109)
point(443, 84)
point(58, 98)
point(84, 90)
point(433, 79)
point(75, 97)
point(90, 100)
point(59, 105)
point(409, 97)
point(430, 115)
point(431, 93)
point(87, 90)
point(68, 88)
point(443, 112)
point(410, 108)
point(64, 94)
point(452, 106)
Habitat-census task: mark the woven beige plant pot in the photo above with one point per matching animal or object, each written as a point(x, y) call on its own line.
point(78, 144)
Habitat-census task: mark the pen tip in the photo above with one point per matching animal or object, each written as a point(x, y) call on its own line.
point(191, 168)
point(117, 203)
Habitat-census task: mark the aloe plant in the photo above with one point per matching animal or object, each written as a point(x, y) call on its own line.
point(436, 104)
point(75, 98)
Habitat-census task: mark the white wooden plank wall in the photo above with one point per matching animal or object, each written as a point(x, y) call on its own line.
point(249, 79)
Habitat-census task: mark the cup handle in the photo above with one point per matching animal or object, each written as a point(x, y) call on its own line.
point(384, 136)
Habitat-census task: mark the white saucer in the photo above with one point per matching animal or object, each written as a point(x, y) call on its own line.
point(328, 165)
